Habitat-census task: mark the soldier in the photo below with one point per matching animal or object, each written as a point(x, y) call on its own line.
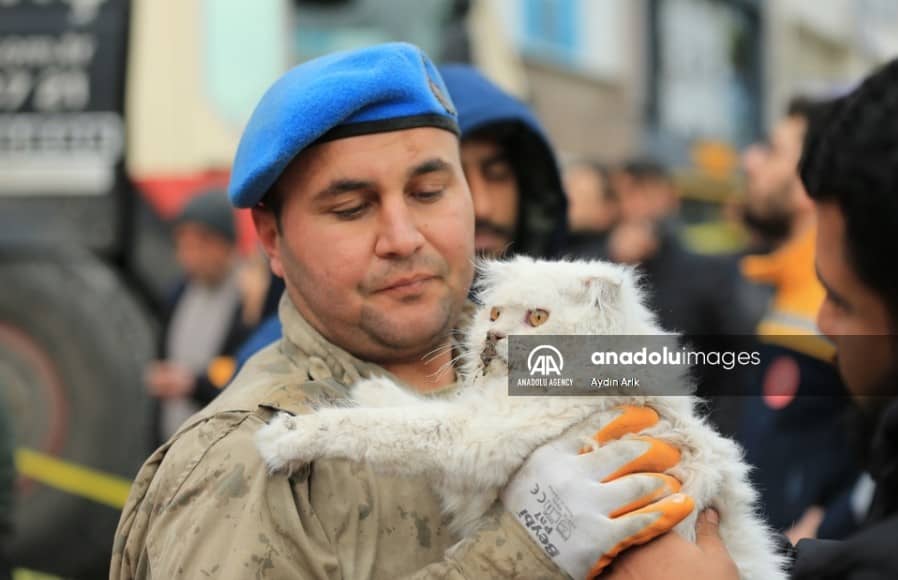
point(351, 166)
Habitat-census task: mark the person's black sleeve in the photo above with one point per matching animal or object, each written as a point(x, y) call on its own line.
point(871, 554)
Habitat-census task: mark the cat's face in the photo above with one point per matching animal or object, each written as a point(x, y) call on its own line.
point(538, 297)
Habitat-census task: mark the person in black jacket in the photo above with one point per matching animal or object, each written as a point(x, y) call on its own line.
point(703, 297)
point(204, 323)
point(850, 170)
point(791, 421)
point(592, 209)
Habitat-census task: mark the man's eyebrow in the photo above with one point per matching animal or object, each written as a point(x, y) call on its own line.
point(341, 186)
point(430, 166)
point(497, 157)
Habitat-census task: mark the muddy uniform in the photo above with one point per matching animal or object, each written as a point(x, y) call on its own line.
point(204, 505)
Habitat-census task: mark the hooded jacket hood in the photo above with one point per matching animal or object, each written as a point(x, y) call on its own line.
point(482, 106)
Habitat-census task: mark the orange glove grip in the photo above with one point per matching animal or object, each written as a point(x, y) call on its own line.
point(670, 512)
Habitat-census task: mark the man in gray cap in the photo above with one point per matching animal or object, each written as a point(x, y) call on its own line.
point(203, 320)
point(351, 165)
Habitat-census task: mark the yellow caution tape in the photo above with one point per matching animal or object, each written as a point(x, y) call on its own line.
point(22, 574)
point(110, 490)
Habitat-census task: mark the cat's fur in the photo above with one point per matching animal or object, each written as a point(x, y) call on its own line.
point(470, 445)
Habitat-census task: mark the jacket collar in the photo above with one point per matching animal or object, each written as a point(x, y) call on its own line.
point(790, 269)
point(320, 358)
point(884, 459)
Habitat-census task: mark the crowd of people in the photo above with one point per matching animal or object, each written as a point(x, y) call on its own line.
point(374, 178)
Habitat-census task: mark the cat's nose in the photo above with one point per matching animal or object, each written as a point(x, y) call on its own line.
point(494, 336)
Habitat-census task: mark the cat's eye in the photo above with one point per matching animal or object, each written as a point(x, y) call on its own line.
point(537, 317)
point(494, 313)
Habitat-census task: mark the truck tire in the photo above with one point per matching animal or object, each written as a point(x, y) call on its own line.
point(73, 346)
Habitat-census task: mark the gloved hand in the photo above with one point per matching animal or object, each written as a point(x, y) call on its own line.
point(585, 506)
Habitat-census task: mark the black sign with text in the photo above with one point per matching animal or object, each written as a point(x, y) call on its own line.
point(62, 75)
point(62, 129)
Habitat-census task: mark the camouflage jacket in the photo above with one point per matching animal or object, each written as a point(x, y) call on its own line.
point(204, 505)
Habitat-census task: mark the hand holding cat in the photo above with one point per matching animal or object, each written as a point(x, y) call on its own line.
point(585, 506)
point(671, 557)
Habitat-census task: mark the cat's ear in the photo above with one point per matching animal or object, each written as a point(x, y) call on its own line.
point(489, 272)
point(602, 291)
point(488, 267)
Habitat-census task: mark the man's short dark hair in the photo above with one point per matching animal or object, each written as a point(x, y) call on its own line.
point(815, 112)
point(646, 169)
point(273, 201)
point(801, 106)
point(851, 159)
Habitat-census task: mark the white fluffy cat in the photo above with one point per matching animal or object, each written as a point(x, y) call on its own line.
point(469, 446)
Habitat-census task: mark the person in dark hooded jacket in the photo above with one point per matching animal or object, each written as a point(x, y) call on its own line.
point(519, 202)
point(850, 170)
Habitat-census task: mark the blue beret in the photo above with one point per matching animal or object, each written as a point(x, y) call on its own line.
point(382, 88)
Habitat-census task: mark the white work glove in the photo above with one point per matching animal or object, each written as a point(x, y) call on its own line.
point(585, 506)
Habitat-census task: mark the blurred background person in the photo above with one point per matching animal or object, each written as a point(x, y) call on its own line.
point(646, 191)
point(260, 289)
point(592, 209)
point(792, 425)
point(701, 296)
point(519, 202)
point(262, 292)
point(205, 322)
point(765, 229)
point(776, 209)
point(7, 482)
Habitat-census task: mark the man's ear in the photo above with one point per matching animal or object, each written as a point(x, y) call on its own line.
point(269, 236)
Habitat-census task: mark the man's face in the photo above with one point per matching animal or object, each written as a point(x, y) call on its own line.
point(589, 209)
point(771, 172)
point(204, 255)
point(853, 316)
point(376, 241)
point(644, 199)
point(494, 189)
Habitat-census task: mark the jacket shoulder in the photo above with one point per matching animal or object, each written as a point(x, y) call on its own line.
point(224, 432)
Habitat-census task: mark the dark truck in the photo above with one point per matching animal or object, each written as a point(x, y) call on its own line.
point(76, 299)
point(85, 262)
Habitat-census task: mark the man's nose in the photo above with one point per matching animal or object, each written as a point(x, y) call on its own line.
point(752, 158)
point(825, 319)
point(398, 234)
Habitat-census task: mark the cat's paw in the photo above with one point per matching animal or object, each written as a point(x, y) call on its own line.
point(286, 443)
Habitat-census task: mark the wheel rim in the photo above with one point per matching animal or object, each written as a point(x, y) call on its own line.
point(32, 383)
